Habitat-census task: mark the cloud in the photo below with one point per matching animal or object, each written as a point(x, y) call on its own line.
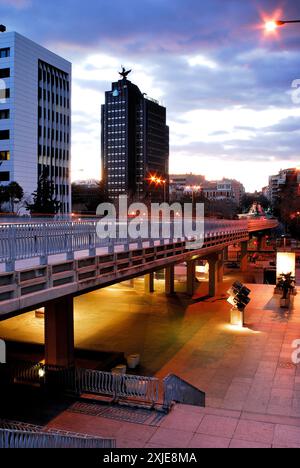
point(18, 4)
point(226, 85)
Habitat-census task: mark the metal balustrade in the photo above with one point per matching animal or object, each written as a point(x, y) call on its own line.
point(29, 286)
point(78, 381)
point(22, 439)
point(25, 372)
point(30, 240)
point(117, 386)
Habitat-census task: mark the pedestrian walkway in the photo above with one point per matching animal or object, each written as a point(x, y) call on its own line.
point(252, 385)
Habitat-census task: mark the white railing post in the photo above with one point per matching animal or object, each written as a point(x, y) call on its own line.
point(12, 239)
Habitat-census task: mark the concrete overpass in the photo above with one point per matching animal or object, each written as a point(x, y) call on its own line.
point(88, 264)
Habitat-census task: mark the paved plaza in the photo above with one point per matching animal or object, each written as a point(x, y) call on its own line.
point(252, 386)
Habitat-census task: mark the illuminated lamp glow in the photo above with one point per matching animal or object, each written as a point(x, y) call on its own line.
point(286, 263)
point(271, 26)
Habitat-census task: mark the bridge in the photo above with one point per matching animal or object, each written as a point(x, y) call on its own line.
point(48, 264)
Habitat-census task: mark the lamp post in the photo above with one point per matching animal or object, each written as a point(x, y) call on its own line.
point(195, 189)
point(272, 25)
point(158, 181)
point(282, 23)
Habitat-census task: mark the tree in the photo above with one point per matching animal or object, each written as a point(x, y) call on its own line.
point(44, 200)
point(14, 194)
point(250, 198)
point(86, 198)
point(3, 195)
point(225, 209)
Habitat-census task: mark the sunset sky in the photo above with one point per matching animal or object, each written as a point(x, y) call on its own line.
point(225, 82)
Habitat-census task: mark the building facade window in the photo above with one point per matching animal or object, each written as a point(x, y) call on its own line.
point(4, 72)
point(4, 176)
point(4, 114)
point(4, 155)
point(5, 93)
point(4, 134)
point(4, 53)
point(53, 134)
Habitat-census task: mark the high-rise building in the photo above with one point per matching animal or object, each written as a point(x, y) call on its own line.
point(276, 182)
point(35, 116)
point(134, 143)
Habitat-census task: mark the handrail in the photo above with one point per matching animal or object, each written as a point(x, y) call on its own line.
point(177, 390)
point(31, 240)
point(10, 438)
point(81, 381)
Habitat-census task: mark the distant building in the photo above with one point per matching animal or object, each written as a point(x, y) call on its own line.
point(184, 184)
point(226, 189)
point(35, 117)
point(135, 143)
point(265, 192)
point(276, 182)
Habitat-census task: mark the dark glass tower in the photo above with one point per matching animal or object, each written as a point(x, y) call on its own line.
point(134, 143)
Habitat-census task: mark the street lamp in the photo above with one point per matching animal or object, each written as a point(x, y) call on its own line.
point(158, 181)
point(272, 25)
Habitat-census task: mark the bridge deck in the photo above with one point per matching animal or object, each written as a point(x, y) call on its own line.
point(33, 286)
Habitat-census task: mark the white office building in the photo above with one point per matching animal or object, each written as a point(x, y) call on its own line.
point(35, 116)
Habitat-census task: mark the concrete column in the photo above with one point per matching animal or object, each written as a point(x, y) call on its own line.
point(191, 273)
point(59, 332)
point(226, 254)
point(220, 267)
point(213, 274)
point(149, 283)
point(244, 256)
point(170, 280)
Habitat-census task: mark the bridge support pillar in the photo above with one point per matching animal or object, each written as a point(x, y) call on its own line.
point(149, 283)
point(191, 274)
point(221, 267)
point(244, 256)
point(226, 254)
point(213, 262)
point(170, 280)
point(59, 332)
point(131, 283)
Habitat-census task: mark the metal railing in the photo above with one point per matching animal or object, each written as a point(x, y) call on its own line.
point(177, 390)
point(131, 389)
point(22, 439)
point(117, 386)
point(30, 240)
point(79, 381)
point(22, 372)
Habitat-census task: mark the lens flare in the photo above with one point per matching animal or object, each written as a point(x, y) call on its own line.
point(271, 26)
